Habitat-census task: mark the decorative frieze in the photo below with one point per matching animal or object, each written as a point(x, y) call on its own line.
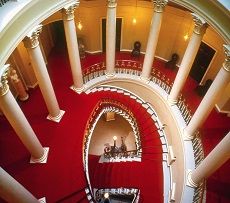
point(200, 24)
point(159, 5)
point(68, 11)
point(227, 57)
point(4, 87)
point(31, 40)
point(111, 3)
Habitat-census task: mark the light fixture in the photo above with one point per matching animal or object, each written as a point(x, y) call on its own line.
point(186, 37)
point(106, 195)
point(114, 139)
point(79, 25)
point(134, 21)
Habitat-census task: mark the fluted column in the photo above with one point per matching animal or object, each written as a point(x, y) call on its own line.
point(31, 42)
point(72, 46)
point(215, 159)
point(213, 94)
point(12, 191)
point(18, 121)
point(110, 37)
point(155, 27)
point(189, 57)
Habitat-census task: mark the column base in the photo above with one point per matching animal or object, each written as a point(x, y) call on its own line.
point(186, 136)
point(42, 200)
point(43, 159)
point(190, 182)
point(24, 98)
point(57, 118)
point(145, 80)
point(109, 75)
point(78, 90)
point(171, 101)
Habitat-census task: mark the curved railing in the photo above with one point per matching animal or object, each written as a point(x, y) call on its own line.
point(101, 107)
point(134, 68)
point(118, 191)
point(199, 156)
point(153, 115)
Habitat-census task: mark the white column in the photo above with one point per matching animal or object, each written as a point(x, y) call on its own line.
point(31, 42)
point(72, 46)
point(18, 121)
point(12, 191)
point(189, 57)
point(215, 159)
point(111, 37)
point(211, 97)
point(155, 27)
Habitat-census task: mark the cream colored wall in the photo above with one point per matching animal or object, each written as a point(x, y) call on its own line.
point(22, 58)
point(174, 138)
point(46, 40)
point(176, 24)
point(224, 102)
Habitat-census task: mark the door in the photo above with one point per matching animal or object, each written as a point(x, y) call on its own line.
point(59, 33)
point(118, 34)
point(201, 62)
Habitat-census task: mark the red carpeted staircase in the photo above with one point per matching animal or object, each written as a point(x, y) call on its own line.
point(63, 175)
point(146, 175)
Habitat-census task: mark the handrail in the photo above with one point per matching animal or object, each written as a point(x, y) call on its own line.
point(128, 67)
point(134, 68)
point(99, 109)
point(120, 191)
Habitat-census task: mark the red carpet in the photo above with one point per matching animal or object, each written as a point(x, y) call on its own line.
point(146, 175)
point(63, 177)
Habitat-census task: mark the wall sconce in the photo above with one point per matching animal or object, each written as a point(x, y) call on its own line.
point(79, 25)
point(186, 37)
point(134, 21)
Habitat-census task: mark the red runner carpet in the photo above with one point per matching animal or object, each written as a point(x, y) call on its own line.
point(63, 174)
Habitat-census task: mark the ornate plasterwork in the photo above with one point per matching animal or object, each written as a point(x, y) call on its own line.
point(159, 5)
point(227, 57)
point(68, 11)
point(31, 40)
point(111, 3)
point(200, 24)
point(4, 87)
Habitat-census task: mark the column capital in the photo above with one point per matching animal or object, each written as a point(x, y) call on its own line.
point(4, 87)
point(68, 11)
point(200, 24)
point(226, 64)
point(159, 5)
point(31, 40)
point(111, 3)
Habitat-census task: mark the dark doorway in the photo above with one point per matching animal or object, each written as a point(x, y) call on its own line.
point(59, 32)
point(201, 62)
point(118, 34)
